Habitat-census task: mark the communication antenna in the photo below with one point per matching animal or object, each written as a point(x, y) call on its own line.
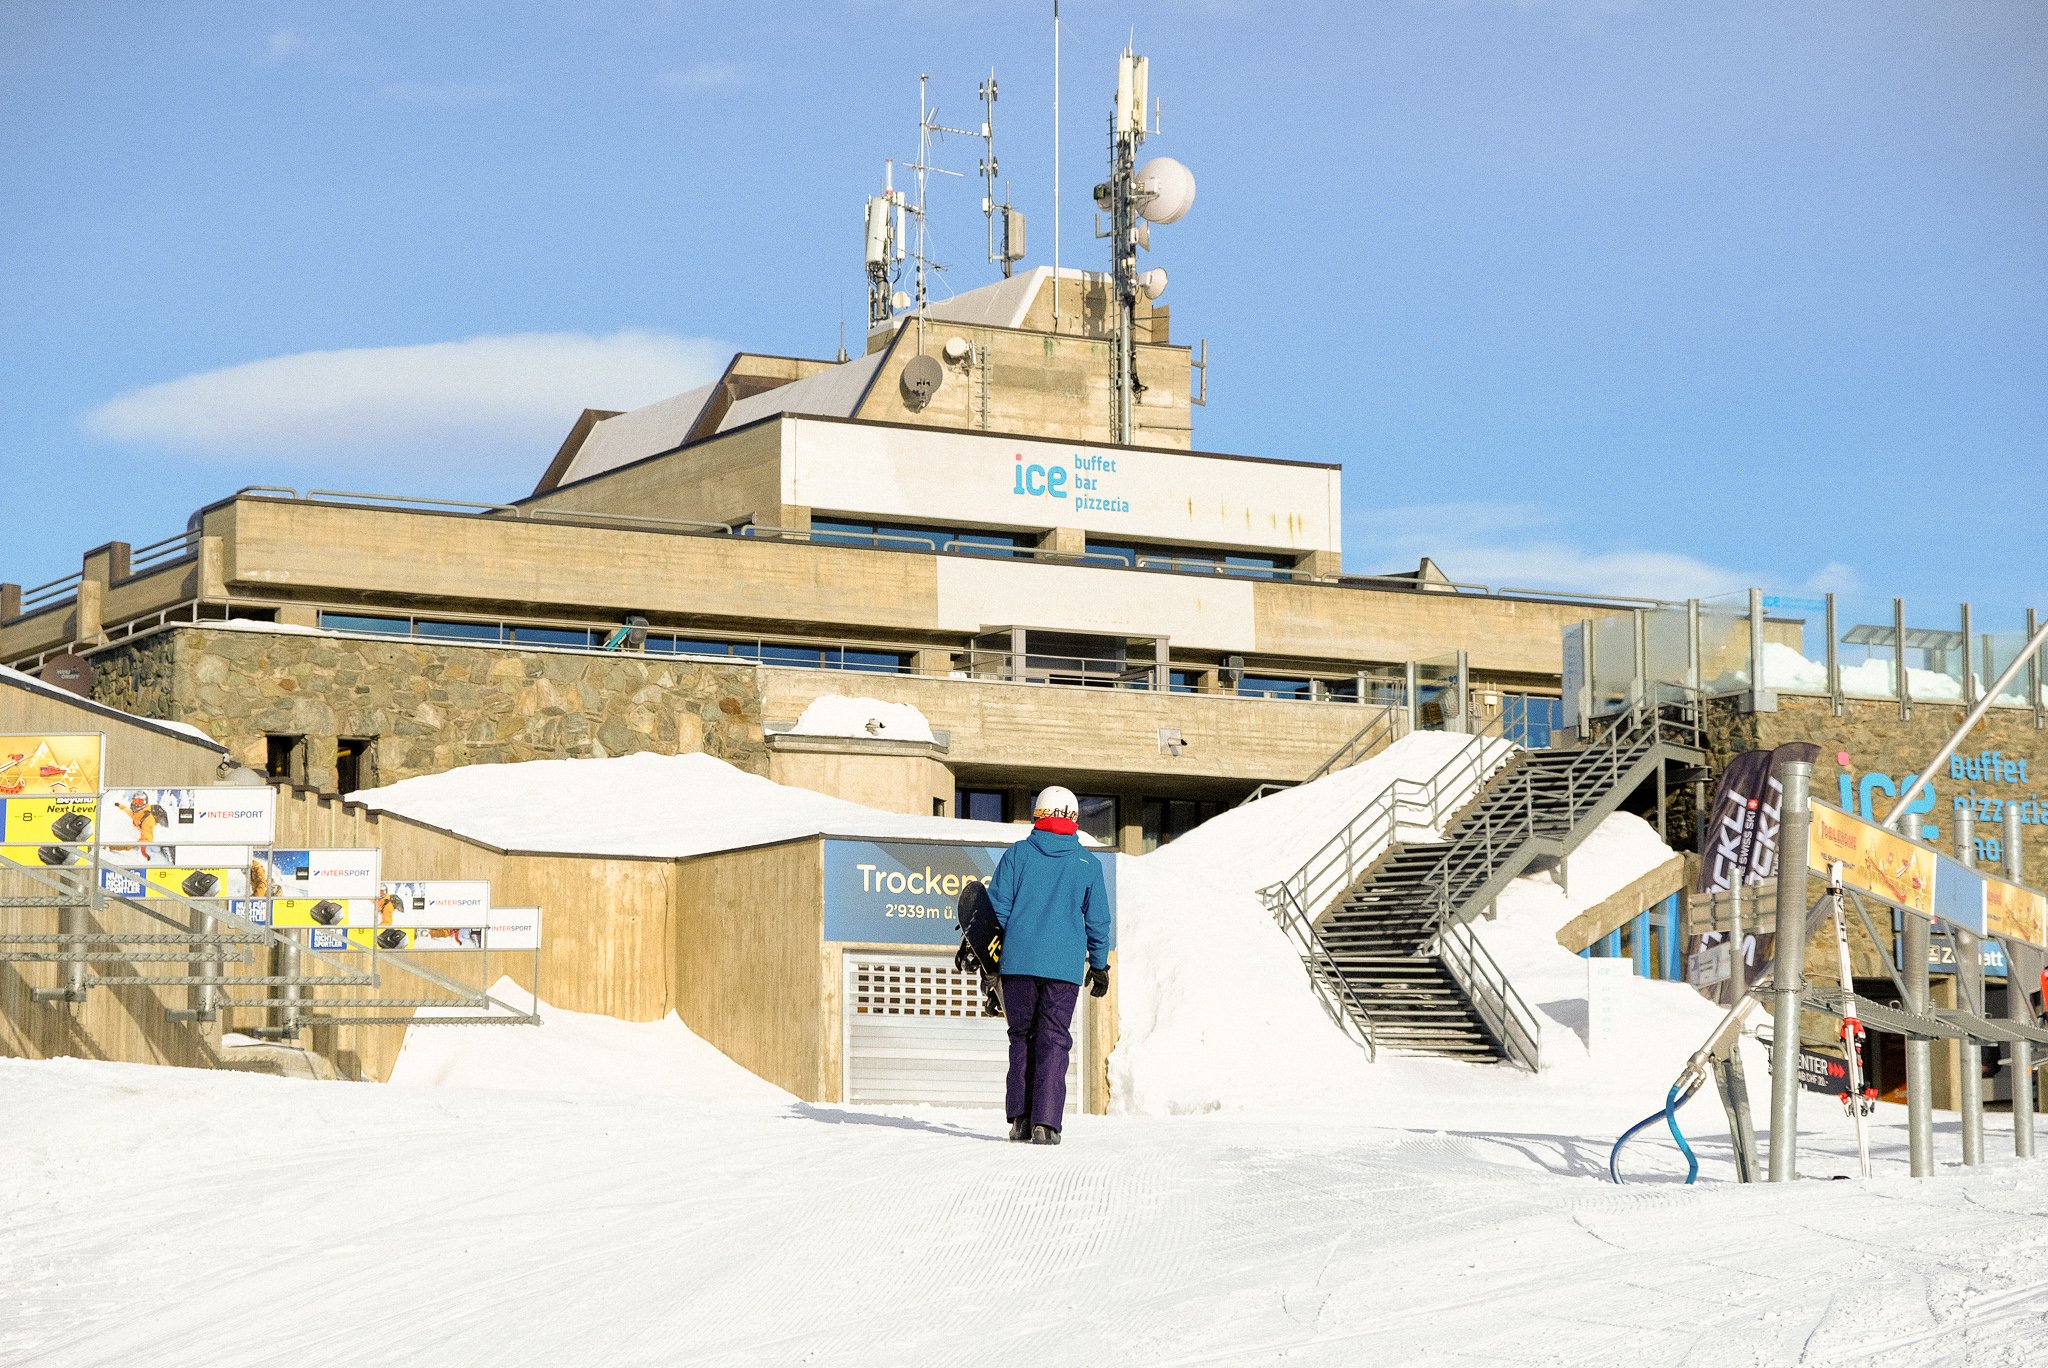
point(884, 248)
point(1055, 166)
point(1007, 249)
point(1135, 197)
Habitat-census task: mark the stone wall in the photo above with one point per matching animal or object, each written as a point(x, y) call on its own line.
point(1877, 741)
point(432, 706)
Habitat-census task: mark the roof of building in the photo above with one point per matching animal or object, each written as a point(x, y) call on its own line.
point(642, 432)
point(834, 393)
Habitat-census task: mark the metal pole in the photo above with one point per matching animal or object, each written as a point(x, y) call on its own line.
point(1790, 972)
point(1756, 648)
point(1738, 967)
point(1735, 1101)
point(207, 999)
point(1902, 686)
point(2017, 1007)
point(1919, 1053)
point(1898, 812)
point(1970, 992)
point(286, 959)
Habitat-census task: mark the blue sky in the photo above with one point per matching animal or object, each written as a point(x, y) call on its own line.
point(1659, 296)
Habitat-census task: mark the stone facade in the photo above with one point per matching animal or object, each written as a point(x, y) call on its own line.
point(1877, 741)
point(432, 706)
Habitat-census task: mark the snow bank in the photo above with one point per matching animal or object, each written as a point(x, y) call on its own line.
point(1784, 667)
point(1217, 1012)
point(576, 1052)
point(833, 715)
point(668, 806)
point(1215, 1008)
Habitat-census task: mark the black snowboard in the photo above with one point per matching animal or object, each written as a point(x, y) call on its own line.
point(981, 944)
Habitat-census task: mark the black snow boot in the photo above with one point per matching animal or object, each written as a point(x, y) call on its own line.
point(1020, 1129)
point(1044, 1135)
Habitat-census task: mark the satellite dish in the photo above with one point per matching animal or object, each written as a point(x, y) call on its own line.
point(957, 349)
point(922, 376)
point(1166, 190)
point(1153, 282)
point(71, 673)
point(899, 300)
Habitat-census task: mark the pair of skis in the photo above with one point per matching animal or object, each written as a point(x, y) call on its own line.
point(1859, 1098)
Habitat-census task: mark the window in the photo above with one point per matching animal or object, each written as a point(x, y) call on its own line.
point(353, 766)
point(1184, 681)
point(356, 622)
point(912, 537)
point(1275, 686)
point(982, 805)
point(1195, 560)
point(551, 636)
point(458, 631)
point(1165, 820)
point(1529, 719)
point(284, 758)
point(1099, 818)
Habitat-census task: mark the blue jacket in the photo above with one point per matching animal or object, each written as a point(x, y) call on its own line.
point(1051, 902)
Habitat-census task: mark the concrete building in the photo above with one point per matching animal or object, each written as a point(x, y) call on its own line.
point(1161, 628)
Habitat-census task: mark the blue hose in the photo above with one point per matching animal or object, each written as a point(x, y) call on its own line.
point(1677, 1098)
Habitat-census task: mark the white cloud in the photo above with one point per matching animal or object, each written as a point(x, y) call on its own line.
point(1508, 545)
point(705, 76)
point(447, 94)
point(435, 406)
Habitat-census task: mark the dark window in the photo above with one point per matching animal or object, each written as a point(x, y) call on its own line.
point(354, 767)
point(356, 622)
point(792, 655)
point(1273, 686)
point(873, 662)
point(1099, 818)
point(1165, 820)
point(938, 807)
point(550, 636)
point(912, 537)
point(284, 757)
point(982, 805)
point(1194, 560)
point(458, 631)
point(1184, 681)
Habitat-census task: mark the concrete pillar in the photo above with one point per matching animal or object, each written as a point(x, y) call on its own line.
point(1069, 541)
point(1320, 565)
point(213, 568)
point(87, 621)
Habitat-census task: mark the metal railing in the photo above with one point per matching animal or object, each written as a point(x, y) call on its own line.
point(1485, 985)
point(157, 555)
point(1338, 998)
point(1342, 860)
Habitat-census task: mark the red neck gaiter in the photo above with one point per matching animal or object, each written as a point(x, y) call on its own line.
point(1059, 826)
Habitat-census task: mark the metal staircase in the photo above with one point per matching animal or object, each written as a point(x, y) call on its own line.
point(1383, 923)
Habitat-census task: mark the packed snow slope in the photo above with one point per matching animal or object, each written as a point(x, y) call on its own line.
point(662, 805)
point(189, 1219)
point(837, 715)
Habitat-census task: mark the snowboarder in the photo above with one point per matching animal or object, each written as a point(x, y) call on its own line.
point(1053, 907)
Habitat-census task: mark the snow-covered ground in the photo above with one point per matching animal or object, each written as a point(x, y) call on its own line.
point(595, 1191)
point(170, 1218)
point(836, 715)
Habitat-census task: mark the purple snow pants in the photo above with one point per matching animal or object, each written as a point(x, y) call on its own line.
point(1039, 1012)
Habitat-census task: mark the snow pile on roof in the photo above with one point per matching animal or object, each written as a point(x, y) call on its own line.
point(578, 1052)
point(1217, 1012)
point(1215, 1008)
point(664, 806)
point(834, 715)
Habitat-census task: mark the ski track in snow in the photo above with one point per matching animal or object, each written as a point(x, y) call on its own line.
point(174, 1217)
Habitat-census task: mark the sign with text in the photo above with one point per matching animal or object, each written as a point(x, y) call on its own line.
point(1877, 861)
point(155, 819)
point(434, 903)
point(302, 874)
point(177, 881)
point(48, 821)
point(908, 892)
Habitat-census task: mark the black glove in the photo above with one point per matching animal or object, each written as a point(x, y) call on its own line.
point(1098, 982)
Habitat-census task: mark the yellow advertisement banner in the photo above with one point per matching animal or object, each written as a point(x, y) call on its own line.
point(47, 821)
point(35, 766)
point(2020, 913)
point(1875, 860)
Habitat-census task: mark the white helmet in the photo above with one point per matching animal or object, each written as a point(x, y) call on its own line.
point(1056, 802)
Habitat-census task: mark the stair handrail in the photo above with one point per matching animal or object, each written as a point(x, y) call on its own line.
point(1323, 975)
point(1338, 862)
point(1506, 1013)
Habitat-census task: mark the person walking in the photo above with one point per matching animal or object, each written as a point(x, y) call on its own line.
point(1053, 907)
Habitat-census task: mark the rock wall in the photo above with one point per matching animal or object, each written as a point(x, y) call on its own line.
point(1876, 741)
point(432, 706)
